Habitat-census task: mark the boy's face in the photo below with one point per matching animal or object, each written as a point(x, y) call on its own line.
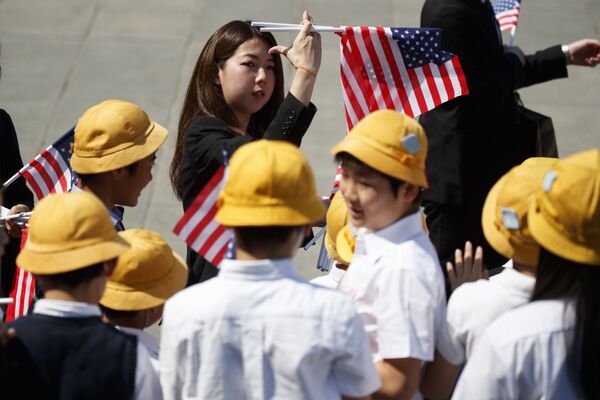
point(371, 202)
point(129, 186)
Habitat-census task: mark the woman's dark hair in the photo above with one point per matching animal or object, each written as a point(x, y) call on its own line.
point(204, 98)
point(558, 278)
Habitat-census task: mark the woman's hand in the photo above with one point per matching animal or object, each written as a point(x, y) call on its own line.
point(305, 52)
point(14, 231)
point(584, 52)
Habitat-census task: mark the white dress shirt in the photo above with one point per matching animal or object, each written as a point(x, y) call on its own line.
point(259, 331)
point(147, 385)
point(522, 355)
point(473, 306)
point(331, 280)
point(149, 343)
point(398, 285)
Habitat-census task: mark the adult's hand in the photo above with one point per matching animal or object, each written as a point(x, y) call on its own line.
point(466, 268)
point(13, 229)
point(305, 52)
point(585, 52)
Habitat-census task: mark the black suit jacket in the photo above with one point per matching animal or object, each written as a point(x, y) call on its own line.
point(473, 139)
point(202, 156)
point(16, 193)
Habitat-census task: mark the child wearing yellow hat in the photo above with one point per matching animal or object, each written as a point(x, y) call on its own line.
point(336, 219)
point(395, 277)
point(113, 153)
point(258, 330)
point(144, 278)
point(64, 350)
point(548, 348)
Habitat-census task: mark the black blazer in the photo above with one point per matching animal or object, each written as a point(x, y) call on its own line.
point(16, 193)
point(473, 139)
point(202, 156)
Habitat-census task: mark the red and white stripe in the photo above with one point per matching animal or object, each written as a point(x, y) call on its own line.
point(198, 227)
point(374, 77)
point(22, 292)
point(47, 173)
point(508, 19)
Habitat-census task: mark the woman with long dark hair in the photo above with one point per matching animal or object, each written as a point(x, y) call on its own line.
point(550, 348)
point(235, 95)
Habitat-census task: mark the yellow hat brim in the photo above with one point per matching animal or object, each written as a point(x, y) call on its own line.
point(58, 262)
point(491, 231)
point(94, 164)
point(344, 247)
point(555, 242)
point(380, 161)
point(122, 297)
point(303, 213)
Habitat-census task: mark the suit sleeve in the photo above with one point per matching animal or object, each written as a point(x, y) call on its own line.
point(291, 121)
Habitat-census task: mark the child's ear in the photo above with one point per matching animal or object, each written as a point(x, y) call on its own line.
point(409, 191)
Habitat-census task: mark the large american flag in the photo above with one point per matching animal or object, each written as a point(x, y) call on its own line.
point(50, 171)
point(507, 13)
point(403, 69)
point(198, 226)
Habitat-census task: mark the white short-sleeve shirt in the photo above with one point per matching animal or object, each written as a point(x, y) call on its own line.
point(259, 331)
point(473, 306)
point(398, 286)
point(522, 355)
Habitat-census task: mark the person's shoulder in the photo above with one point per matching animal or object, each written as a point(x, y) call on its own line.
point(204, 125)
point(416, 254)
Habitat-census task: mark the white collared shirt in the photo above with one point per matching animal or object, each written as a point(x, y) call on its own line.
point(259, 331)
point(147, 385)
point(473, 306)
point(331, 280)
point(147, 341)
point(522, 355)
point(398, 285)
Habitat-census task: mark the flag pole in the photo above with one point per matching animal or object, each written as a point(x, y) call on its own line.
point(513, 32)
point(14, 177)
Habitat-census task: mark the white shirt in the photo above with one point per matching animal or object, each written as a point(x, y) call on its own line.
point(398, 285)
point(522, 356)
point(259, 331)
point(331, 280)
point(473, 306)
point(147, 385)
point(148, 342)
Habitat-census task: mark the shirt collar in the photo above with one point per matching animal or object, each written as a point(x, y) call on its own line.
point(144, 338)
point(336, 273)
point(66, 309)
point(374, 243)
point(255, 270)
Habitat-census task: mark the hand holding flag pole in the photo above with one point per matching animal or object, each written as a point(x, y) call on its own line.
point(283, 27)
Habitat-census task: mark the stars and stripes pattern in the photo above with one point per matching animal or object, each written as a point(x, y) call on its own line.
point(50, 171)
point(198, 226)
point(507, 13)
point(402, 69)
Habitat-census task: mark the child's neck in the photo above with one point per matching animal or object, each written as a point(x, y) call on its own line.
point(525, 269)
point(262, 254)
point(136, 320)
point(81, 295)
point(101, 190)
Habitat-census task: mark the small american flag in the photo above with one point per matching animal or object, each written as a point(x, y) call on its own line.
point(50, 171)
point(507, 13)
point(401, 69)
point(198, 226)
point(23, 289)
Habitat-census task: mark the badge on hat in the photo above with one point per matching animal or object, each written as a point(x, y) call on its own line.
point(510, 219)
point(412, 144)
point(549, 179)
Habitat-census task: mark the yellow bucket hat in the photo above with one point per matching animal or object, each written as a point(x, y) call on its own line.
point(391, 143)
point(504, 217)
point(564, 216)
point(336, 219)
point(67, 232)
point(145, 276)
point(269, 184)
point(112, 135)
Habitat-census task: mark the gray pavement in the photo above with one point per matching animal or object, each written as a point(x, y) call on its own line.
point(60, 57)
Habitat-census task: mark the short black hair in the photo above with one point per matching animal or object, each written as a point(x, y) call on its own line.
point(253, 237)
point(357, 165)
point(72, 279)
point(87, 178)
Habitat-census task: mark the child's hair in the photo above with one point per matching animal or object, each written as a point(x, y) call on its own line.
point(70, 280)
point(87, 178)
point(204, 98)
point(354, 164)
point(558, 278)
point(260, 237)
